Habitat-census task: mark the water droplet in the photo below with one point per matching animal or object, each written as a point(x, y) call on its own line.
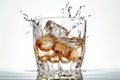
point(69, 9)
point(89, 15)
point(27, 32)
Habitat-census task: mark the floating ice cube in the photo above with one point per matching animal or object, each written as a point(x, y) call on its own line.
point(56, 29)
point(75, 32)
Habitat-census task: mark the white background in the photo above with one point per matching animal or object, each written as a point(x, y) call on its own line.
point(103, 29)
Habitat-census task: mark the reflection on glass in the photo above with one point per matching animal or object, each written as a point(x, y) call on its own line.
point(60, 76)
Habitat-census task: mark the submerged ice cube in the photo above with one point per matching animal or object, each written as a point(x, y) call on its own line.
point(56, 29)
point(67, 55)
point(54, 59)
point(60, 47)
point(43, 58)
point(76, 55)
point(63, 50)
point(46, 42)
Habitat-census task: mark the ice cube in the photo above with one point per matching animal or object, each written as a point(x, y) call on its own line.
point(43, 58)
point(64, 60)
point(54, 59)
point(41, 53)
point(73, 42)
point(46, 42)
point(48, 56)
point(75, 32)
point(56, 29)
point(76, 54)
point(51, 53)
point(67, 54)
point(60, 47)
point(63, 50)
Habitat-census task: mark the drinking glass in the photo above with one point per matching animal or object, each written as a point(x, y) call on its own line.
point(59, 46)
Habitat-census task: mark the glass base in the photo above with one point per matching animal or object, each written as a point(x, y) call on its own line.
point(59, 71)
point(60, 76)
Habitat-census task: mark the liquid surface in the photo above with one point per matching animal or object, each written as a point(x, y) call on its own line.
point(100, 74)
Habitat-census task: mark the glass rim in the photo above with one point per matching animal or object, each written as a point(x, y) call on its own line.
point(57, 17)
point(38, 18)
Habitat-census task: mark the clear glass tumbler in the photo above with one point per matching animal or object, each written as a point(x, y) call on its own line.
point(59, 45)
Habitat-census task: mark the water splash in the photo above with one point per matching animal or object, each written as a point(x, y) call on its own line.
point(26, 17)
point(66, 12)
